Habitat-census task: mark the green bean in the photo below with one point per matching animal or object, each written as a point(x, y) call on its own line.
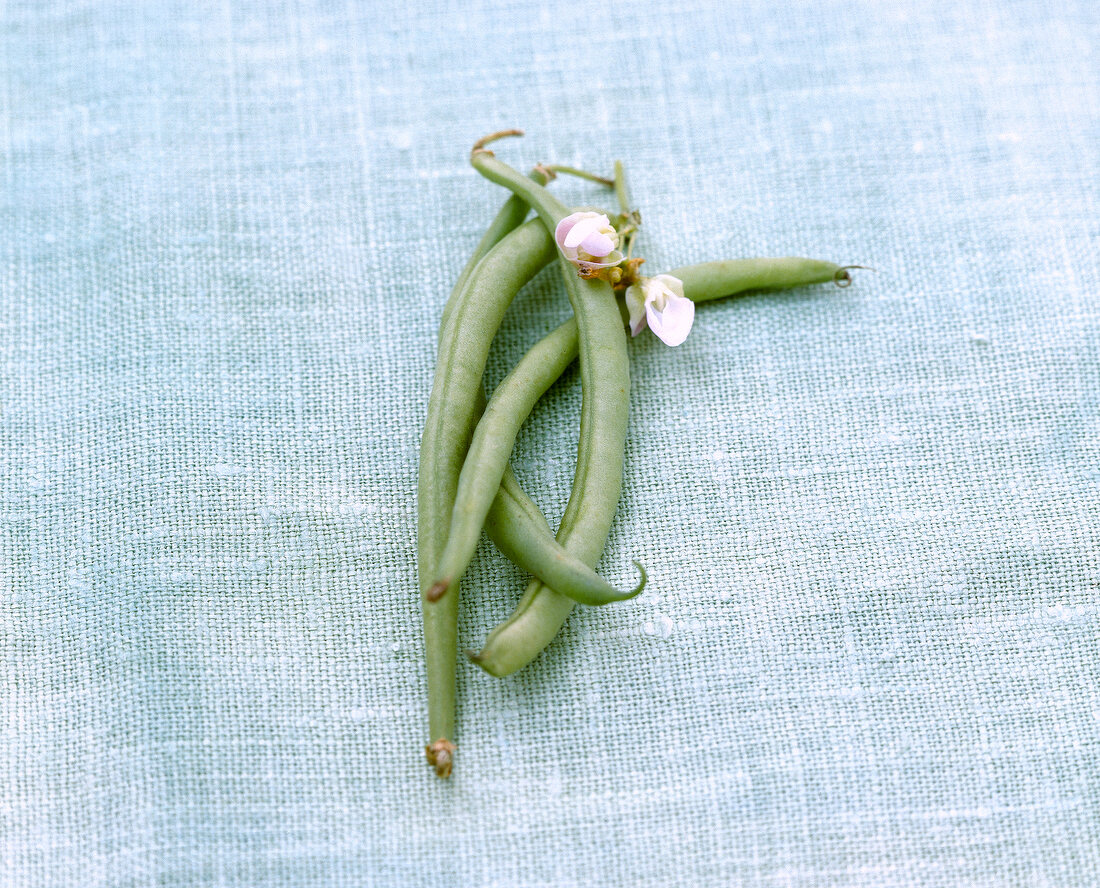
point(485, 465)
point(604, 369)
point(440, 752)
point(541, 611)
point(605, 382)
point(713, 280)
point(519, 530)
point(472, 319)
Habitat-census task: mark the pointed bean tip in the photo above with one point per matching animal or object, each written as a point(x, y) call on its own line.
point(843, 279)
point(482, 659)
point(479, 145)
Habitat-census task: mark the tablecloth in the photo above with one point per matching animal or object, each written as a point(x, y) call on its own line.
point(868, 651)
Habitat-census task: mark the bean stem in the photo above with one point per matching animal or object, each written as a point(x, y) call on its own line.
point(580, 174)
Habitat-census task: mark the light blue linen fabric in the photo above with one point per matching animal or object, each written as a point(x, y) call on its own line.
point(868, 654)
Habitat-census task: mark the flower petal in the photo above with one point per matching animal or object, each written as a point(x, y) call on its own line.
point(635, 305)
point(562, 229)
point(609, 261)
point(581, 230)
point(672, 284)
point(597, 244)
point(673, 324)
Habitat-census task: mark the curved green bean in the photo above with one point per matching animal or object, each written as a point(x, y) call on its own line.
point(519, 530)
point(604, 370)
point(541, 611)
point(472, 319)
point(605, 382)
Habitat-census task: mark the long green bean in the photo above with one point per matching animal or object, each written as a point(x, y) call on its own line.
point(605, 381)
point(431, 499)
point(471, 320)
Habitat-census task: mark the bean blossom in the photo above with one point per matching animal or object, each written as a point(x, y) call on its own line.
point(659, 303)
point(588, 240)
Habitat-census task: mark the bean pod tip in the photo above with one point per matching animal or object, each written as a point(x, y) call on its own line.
point(843, 279)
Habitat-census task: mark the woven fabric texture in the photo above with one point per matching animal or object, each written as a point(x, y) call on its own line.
point(868, 654)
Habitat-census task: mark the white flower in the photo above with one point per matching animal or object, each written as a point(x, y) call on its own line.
point(588, 239)
point(660, 302)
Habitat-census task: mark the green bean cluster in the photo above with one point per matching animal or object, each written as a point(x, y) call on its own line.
point(465, 483)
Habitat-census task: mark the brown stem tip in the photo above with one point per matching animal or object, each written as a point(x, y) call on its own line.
point(438, 590)
point(441, 756)
point(479, 145)
point(547, 172)
point(842, 279)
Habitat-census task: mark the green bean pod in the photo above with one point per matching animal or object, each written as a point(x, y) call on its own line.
point(521, 532)
point(541, 611)
point(605, 382)
point(713, 280)
point(472, 318)
point(605, 379)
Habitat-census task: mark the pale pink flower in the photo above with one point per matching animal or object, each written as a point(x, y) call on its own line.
point(588, 239)
point(659, 303)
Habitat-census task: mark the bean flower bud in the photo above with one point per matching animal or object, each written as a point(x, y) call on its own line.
point(589, 240)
